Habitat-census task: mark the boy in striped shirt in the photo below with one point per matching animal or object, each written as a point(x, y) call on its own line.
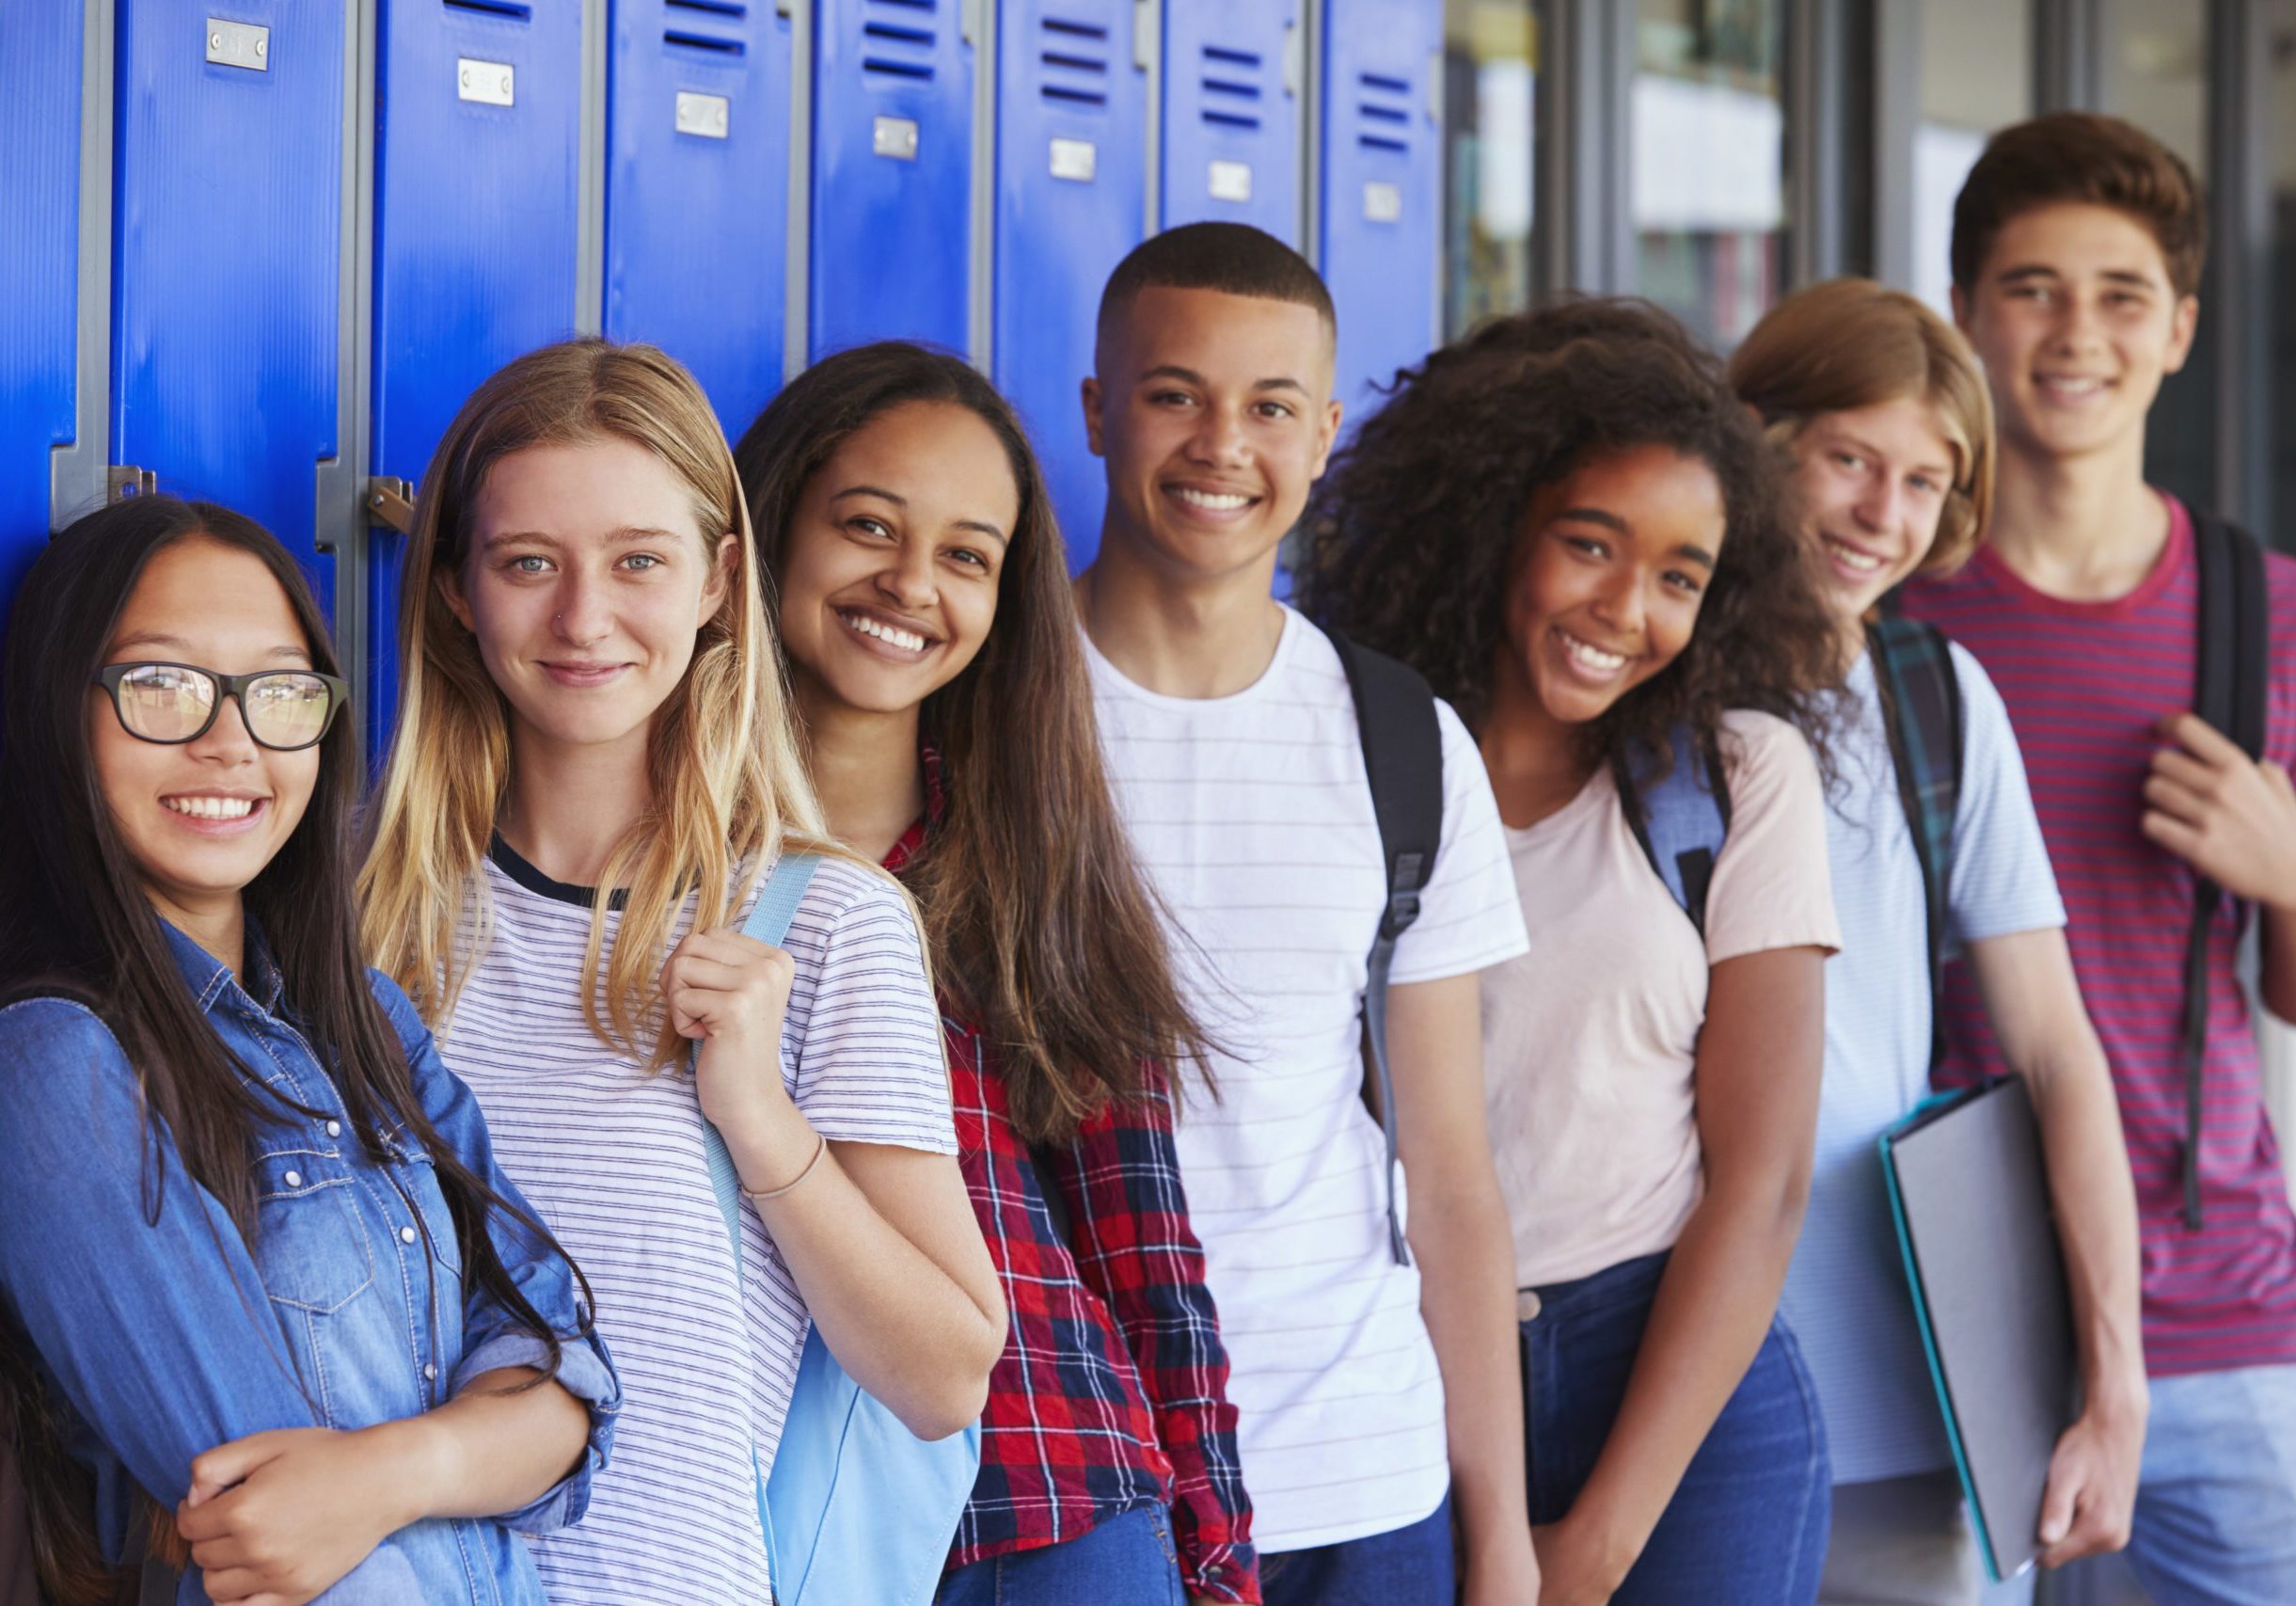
point(2077, 251)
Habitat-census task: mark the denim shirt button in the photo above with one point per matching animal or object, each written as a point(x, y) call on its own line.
point(430, 1371)
point(406, 1234)
point(293, 1179)
point(334, 1129)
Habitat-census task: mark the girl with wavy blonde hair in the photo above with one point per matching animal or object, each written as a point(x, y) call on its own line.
point(592, 770)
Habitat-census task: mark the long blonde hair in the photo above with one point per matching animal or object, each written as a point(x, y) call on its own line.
point(727, 778)
point(1850, 343)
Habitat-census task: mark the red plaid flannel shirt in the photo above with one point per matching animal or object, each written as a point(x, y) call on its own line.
point(1112, 1393)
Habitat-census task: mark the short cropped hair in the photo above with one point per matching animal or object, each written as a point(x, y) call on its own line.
point(1232, 258)
point(1850, 344)
point(2081, 157)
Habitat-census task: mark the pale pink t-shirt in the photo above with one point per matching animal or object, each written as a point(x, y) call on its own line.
point(1589, 1039)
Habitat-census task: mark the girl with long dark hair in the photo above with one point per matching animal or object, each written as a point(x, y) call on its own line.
point(1569, 525)
point(944, 703)
point(266, 1295)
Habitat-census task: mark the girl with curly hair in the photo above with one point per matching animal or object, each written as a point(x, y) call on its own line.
point(1569, 525)
point(1887, 417)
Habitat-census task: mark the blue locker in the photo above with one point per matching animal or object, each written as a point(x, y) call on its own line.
point(1071, 198)
point(1381, 201)
point(892, 208)
point(226, 240)
point(478, 116)
point(1231, 121)
point(39, 213)
point(697, 128)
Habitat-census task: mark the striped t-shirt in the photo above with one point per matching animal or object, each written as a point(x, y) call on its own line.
point(1253, 818)
point(612, 1158)
point(2086, 685)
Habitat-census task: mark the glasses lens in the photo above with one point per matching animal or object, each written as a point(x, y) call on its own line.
point(287, 709)
point(163, 702)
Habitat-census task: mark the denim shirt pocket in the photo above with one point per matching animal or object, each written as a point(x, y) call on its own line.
point(310, 1242)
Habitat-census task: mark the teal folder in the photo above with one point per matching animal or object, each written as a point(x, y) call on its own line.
point(1970, 1199)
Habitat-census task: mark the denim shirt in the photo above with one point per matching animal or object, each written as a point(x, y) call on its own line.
point(348, 1308)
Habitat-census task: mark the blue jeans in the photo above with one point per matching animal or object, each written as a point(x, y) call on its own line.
point(1128, 1560)
point(1404, 1566)
point(2215, 1503)
point(1747, 1526)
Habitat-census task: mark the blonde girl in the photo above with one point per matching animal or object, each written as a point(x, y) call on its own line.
point(592, 767)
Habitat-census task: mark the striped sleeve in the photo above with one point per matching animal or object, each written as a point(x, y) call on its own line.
point(863, 1035)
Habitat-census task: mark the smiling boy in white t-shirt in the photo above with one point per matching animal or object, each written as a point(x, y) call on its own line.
point(1378, 1399)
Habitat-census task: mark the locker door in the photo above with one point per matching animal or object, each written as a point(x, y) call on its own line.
point(890, 250)
point(478, 108)
point(226, 219)
point(1380, 204)
point(1231, 116)
point(1072, 192)
point(40, 214)
point(698, 129)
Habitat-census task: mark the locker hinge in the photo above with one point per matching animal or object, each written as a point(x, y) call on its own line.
point(1143, 35)
point(390, 503)
point(781, 7)
point(1296, 59)
point(123, 483)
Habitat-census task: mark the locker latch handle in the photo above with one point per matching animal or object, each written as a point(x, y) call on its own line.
point(123, 481)
point(390, 503)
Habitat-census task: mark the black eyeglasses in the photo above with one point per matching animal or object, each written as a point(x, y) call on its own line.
point(285, 710)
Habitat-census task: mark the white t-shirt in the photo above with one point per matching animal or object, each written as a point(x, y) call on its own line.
point(612, 1158)
point(1590, 1040)
point(1252, 816)
point(1846, 1294)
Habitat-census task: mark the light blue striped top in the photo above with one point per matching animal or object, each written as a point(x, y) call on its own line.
point(1845, 1295)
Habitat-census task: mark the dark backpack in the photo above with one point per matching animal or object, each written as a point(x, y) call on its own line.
point(1402, 757)
point(2230, 688)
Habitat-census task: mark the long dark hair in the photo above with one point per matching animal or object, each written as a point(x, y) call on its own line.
point(1410, 532)
point(1035, 914)
point(75, 922)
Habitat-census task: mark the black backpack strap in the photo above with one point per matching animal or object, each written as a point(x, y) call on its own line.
point(1920, 706)
point(2229, 688)
point(1681, 819)
point(1402, 755)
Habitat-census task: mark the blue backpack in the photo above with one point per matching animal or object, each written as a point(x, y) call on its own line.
point(858, 1510)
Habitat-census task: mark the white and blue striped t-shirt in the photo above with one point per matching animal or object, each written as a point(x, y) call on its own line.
point(612, 1158)
point(1846, 1294)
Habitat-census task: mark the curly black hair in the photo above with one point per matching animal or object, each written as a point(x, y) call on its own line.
point(1410, 532)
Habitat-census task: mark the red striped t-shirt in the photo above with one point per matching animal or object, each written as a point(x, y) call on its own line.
point(2087, 683)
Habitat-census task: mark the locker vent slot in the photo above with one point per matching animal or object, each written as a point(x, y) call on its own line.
point(517, 10)
point(898, 40)
point(734, 8)
point(711, 42)
point(1231, 82)
point(1073, 57)
point(1383, 111)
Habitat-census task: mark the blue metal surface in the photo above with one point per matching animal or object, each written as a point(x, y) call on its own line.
point(711, 297)
point(891, 235)
point(1381, 188)
point(475, 234)
point(1072, 197)
point(40, 214)
point(227, 218)
point(1231, 125)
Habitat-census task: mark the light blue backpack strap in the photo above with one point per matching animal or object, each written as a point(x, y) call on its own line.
point(1681, 819)
point(768, 922)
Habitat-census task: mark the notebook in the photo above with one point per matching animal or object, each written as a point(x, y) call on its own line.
point(1970, 1201)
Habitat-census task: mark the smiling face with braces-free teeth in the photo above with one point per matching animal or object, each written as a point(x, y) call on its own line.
point(202, 819)
point(1873, 483)
point(1608, 577)
point(2077, 323)
point(890, 567)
